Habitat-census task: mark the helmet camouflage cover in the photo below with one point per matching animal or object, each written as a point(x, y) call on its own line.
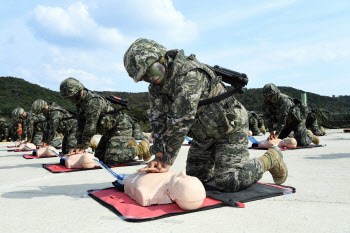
point(270, 89)
point(70, 87)
point(38, 106)
point(2, 120)
point(140, 56)
point(18, 113)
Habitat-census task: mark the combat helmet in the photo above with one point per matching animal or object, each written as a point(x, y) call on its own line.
point(140, 56)
point(2, 120)
point(18, 114)
point(38, 106)
point(71, 87)
point(270, 89)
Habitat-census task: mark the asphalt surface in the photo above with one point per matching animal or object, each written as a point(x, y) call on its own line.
point(34, 200)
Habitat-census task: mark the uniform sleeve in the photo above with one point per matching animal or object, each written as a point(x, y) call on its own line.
point(30, 127)
point(266, 113)
point(285, 108)
point(159, 106)
point(80, 125)
point(182, 113)
point(92, 115)
point(55, 118)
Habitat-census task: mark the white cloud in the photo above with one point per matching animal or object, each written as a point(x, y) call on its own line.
point(72, 26)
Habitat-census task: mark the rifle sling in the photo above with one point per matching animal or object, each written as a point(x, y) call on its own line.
point(221, 96)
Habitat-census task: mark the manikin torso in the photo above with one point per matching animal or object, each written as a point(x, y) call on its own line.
point(285, 143)
point(83, 160)
point(46, 151)
point(163, 188)
point(24, 147)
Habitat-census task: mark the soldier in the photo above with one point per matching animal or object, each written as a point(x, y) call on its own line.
point(283, 115)
point(96, 114)
point(136, 129)
point(312, 123)
point(219, 130)
point(59, 120)
point(33, 125)
point(14, 134)
point(4, 130)
point(256, 124)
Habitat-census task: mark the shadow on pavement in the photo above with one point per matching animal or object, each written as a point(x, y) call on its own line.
point(331, 156)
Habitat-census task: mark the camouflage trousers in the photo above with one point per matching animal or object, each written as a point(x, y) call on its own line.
point(113, 147)
point(227, 160)
point(69, 141)
point(300, 131)
point(38, 138)
point(254, 126)
point(56, 142)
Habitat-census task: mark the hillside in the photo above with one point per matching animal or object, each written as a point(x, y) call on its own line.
point(15, 92)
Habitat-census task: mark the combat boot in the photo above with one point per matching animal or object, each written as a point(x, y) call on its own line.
point(315, 139)
point(263, 130)
point(323, 131)
point(132, 142)
point(93, 144)
point(273, 162)
point(142, 150)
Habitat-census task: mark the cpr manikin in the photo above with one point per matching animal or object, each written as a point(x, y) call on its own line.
point(46, 151)
point(285, 143)
point(24, 147)
point(83, 160)
point(163, 188)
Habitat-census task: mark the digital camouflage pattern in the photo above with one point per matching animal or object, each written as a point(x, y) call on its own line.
point(115, 128)
point(18, 114)
point(312, 123)
point(33, 132)
point(70, 88)
point(4, 130)
point(219, 130)
point(284, 116)
point(256, 123)
point(137, 63)
point(39, 106)
point(136, 129)
point(61, 121)
point(13, 134)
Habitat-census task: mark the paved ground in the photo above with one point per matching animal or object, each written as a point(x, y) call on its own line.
point(35, 200)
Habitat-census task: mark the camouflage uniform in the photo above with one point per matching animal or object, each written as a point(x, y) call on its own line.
point(4, 130)
point(219, 130)
point(136, 129)
point(255, 123)
point(34, 127)
point(61, 121)
point(312, 123)
point(285, 116)
point(14, 131)
point(115, 128)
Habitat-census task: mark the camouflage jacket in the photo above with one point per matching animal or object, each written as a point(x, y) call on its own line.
point(175, 112)
point(31, 122)
point(276, 114)
point(5, 129)
point(89, 111)
point(58, 120)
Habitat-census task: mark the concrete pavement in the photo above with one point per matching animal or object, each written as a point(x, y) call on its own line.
point(35, 200)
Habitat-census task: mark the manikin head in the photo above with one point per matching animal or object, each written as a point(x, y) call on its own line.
point(187, 191)
point(144, 61)
point(288, 142)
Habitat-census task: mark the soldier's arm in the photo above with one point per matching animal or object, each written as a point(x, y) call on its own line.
point(92, 116)
point(182, 115)
point(159, 106)
point(266, 115)
point(285, 108)
point(55, 118)
point(30, 128)
point(80, 126)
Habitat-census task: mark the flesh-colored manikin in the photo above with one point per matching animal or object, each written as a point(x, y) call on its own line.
point(24, 147)
point(83, 160)
point(46, 151)
point(285, 143)
point(163, 188)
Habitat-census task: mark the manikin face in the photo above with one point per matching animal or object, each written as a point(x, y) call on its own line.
point(155, 74)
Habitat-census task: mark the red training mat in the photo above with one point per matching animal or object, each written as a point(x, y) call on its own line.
point(36, 157)
point(12, 146)
point(122, 204)
point(57, 168)
point(298, 147)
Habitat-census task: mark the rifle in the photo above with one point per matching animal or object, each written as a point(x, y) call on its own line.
point(235, 79)
point(116, 100)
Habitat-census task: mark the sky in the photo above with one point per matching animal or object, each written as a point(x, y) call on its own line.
point(295, 43)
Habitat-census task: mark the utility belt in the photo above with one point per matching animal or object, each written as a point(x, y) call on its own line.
point(108, 121)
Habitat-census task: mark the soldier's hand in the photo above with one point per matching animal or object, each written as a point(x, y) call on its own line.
point(155, 166)
point(275, 136)
point(271, 136)
point(76, 151)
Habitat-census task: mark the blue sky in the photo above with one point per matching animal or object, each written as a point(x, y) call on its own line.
point(301, 44)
